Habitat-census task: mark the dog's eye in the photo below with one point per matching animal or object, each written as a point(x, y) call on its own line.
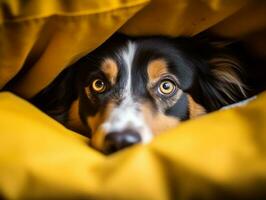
point(98, 85)
point(167, 87)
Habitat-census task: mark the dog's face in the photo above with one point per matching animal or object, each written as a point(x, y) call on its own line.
point(131, 90)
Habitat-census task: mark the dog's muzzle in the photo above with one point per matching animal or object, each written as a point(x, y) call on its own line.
point(115, 141)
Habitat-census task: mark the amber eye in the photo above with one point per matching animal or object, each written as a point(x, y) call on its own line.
point(98, 85)
point(166, 87)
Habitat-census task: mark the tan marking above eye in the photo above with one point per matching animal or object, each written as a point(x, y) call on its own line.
point(110, 69)
point(156, 68)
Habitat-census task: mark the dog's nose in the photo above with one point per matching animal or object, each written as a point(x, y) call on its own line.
point(115, 141)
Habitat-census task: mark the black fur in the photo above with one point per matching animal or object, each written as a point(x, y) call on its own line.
point(188, 59)
point(56, 99)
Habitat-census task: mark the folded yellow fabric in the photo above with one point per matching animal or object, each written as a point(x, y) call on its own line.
point(248, 20)
point(213, 156)
point(40, 38)
point(181, 17)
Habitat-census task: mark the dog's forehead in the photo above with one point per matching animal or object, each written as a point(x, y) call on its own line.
point(143, 58)
point(136, 55)
point(142, 50)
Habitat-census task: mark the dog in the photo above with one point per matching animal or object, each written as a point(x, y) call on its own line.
point(132, 88)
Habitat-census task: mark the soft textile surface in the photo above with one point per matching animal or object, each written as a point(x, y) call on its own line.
point(39, 38)
point(218, 154)
point(181, 17)
point(214, 156)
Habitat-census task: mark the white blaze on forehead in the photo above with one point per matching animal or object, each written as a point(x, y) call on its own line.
point(127, 115)
point(128, 57)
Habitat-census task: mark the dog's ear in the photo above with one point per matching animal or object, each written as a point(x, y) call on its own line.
point(214, 71)
point(57, 97)
point(222, 85)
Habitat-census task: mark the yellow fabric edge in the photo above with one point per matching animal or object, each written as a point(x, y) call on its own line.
point(129, 4)
point(40, 153)
point(22, 88)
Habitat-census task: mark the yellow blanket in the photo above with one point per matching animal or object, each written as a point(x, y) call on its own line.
point(217, 156)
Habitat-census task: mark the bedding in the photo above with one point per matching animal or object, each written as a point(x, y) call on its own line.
point(217, 156)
